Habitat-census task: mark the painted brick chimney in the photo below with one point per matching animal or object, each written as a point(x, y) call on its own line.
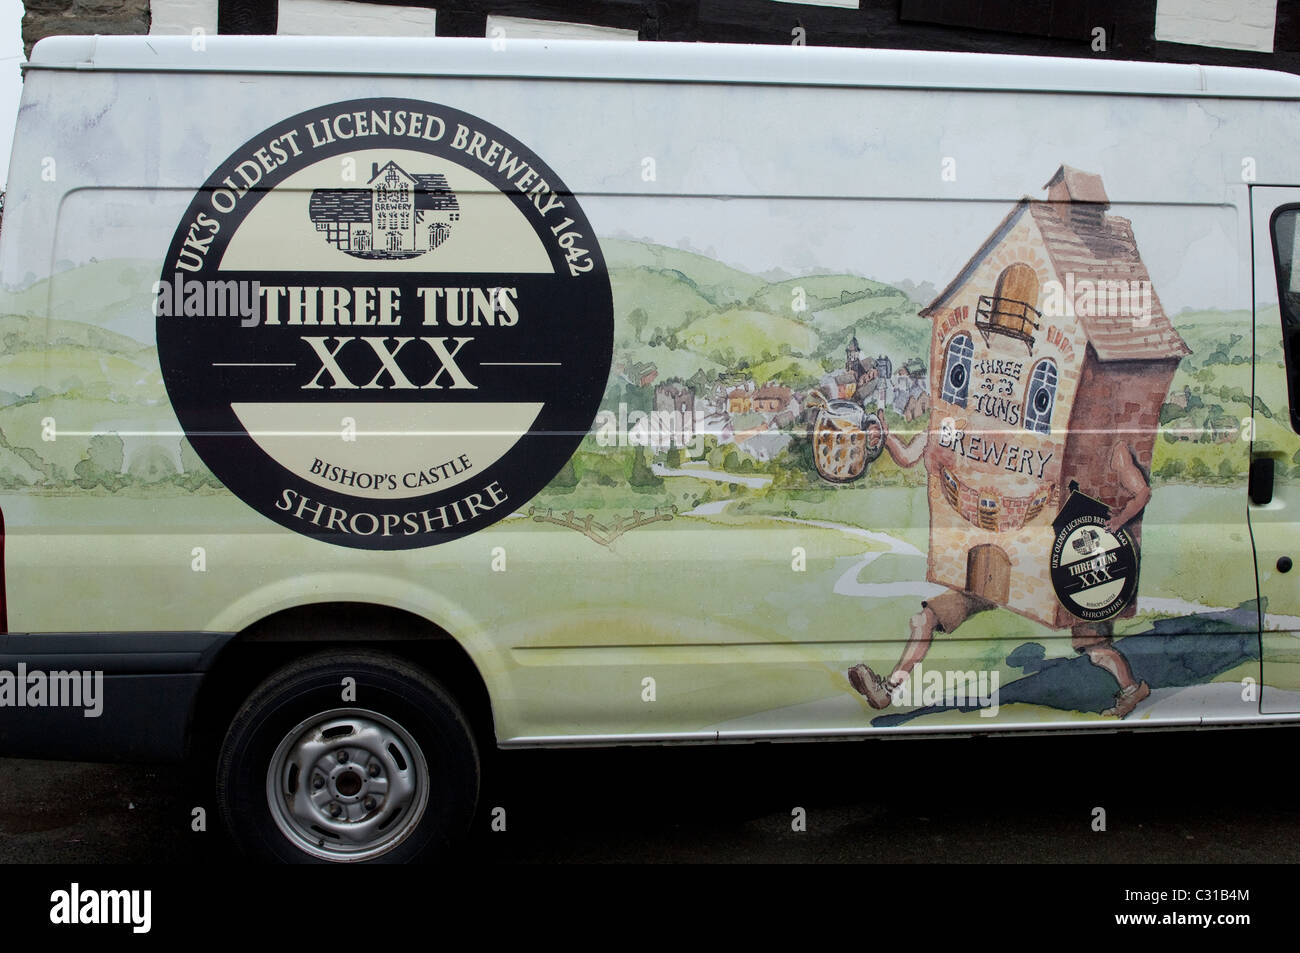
point(1085, 194)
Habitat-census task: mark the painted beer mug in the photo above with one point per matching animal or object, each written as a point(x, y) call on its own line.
point(846, 438)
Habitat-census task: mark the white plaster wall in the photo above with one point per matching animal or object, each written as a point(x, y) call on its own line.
point(170, 17)
point(347, 18)
point(1233, 24)
point(521, 28)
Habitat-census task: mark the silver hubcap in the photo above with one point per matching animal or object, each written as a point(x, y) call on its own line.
point(347, 784)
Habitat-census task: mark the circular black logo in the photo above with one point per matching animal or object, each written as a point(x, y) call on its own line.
point(384, 323)
point(1094, 571)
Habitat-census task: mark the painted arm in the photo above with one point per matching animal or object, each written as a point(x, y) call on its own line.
point(904, 454)
point(1132, 480)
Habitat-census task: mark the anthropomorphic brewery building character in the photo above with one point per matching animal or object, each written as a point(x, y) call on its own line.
point(1051, 357)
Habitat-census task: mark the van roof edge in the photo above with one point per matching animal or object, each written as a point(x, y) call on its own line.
point(656, 62)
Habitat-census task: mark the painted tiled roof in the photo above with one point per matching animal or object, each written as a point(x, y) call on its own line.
point(1107, 251)
point(1103, 249)
point(340, 205)
point(433, 192)
point(354, 205)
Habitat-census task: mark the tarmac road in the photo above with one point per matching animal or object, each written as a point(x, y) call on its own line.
point(1181, 797)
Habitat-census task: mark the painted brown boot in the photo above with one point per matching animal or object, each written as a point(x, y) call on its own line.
point(1128, 699)
point(870, 685)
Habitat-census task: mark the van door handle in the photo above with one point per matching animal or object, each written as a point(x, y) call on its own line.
point(1260, 484)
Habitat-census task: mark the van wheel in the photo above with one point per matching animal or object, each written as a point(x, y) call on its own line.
point(315, 770)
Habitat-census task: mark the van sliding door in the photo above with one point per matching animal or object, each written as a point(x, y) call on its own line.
point(1275, 450)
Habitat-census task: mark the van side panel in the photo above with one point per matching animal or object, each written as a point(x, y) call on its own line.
point(881, 362)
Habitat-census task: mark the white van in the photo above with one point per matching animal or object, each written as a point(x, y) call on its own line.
point(364, 403)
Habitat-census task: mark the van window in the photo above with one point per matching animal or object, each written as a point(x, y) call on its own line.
point(1286, 222)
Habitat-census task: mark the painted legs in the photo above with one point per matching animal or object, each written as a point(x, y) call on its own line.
point(950, 609)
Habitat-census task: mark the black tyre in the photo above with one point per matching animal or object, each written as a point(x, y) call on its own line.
point(387, 772)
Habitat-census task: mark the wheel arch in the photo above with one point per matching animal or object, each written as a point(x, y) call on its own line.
point(291, 633)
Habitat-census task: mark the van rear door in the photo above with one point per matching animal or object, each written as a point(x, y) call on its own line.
point(1274, 505)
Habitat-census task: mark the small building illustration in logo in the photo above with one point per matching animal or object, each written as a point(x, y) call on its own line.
point(397, 215)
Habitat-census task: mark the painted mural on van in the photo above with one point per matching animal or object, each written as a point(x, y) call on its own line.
point(1044, 418)
point(820, 500)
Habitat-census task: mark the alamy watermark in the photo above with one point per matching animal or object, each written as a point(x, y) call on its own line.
point(191, 298)
point(949, 688)
point(82, 906)
point(653, 429)
point(33, 688)
point(1084, 297)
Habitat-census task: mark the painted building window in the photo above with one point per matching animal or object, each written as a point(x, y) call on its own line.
point(988, 513)
point(951, 490)
point(1041, 397)
point(956, 370)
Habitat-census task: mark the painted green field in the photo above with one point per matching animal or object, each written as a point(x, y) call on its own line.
point(734, 612)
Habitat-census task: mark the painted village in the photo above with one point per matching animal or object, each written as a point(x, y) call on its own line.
point(1010, 345)
point(761, 419)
